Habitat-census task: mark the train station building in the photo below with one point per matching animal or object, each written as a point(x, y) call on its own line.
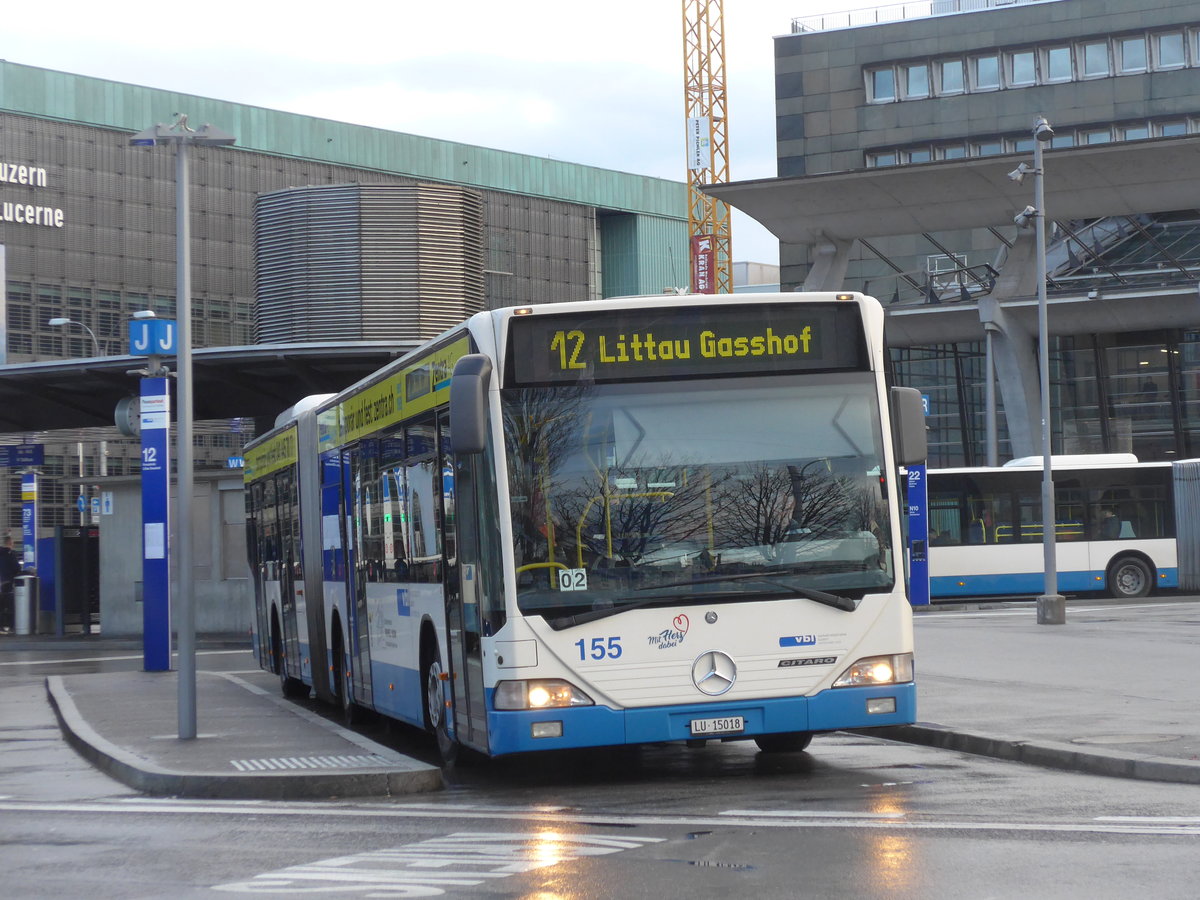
point(320, 250)
point(896, 138)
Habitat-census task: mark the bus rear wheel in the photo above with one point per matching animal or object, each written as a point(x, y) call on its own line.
point(291, 687)
point(341, 683)
point(1129, 578)
point(792, 742)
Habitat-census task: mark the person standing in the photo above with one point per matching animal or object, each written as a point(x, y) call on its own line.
point(10, 568)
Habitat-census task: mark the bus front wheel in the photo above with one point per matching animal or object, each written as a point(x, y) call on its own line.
point(436, 711)
point(792, 742)
point(1129, 578)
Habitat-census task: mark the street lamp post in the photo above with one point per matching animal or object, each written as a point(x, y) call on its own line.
point(59, 322)
point(1051, 605)
point(184, 137)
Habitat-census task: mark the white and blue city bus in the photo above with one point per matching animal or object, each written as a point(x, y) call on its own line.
point(1115, 527)
point(667, 518)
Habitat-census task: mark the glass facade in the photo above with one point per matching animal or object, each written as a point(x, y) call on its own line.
point(1115, 393)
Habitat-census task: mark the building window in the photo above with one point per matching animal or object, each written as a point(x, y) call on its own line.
point(1022, 68)
point(952, 151)
point(883, 84)
point(1133, 54)
point(1095, 59)
point(1171, 129)
point(1056, 65)
point(1096, 136)
point(886, 158)
point(49, 345)
point(987, 148)
point(20, 316)
point(1134, 132)
point(916, 81)
point(920, 155)
point(950, 76)
point(1062, 139)
point(1051, 64)
point(1022, 145)
point(985, 72)
point(1168, 50)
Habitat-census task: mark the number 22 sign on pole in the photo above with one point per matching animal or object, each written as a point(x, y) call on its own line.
point(155, 416)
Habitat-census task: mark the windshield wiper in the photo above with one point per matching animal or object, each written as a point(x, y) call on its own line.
point(847, 604)
point(595, 614)
point(835, 600)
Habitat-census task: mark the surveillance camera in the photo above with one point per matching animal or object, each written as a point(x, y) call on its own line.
point(1018, 174)
point(1024, 217)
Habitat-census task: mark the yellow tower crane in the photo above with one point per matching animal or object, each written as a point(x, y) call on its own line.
point(707, 144)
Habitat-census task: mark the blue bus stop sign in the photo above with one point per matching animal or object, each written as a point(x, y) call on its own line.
point(152, 337)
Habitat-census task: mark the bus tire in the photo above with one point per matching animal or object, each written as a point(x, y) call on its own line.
point(435, 706)
point(1130, 578)
point(341, 687)
point(791, 742)
point(292, 688)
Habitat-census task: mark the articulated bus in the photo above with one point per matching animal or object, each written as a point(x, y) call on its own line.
point(626, 521)
point(1115, 527)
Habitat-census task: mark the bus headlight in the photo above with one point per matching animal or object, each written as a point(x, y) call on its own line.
point(542, 693)
point(872, 670)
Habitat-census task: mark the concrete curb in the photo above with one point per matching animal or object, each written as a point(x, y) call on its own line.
point(138, 773)
point(1049, 754)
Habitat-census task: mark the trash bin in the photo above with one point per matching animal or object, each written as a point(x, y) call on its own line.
point(25, 604)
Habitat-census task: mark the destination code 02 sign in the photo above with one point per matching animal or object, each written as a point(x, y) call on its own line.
point(685, 342)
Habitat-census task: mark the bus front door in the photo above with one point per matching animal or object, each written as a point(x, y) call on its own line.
point(463, 624)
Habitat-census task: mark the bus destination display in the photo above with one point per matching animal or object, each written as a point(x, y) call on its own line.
point(682, 343)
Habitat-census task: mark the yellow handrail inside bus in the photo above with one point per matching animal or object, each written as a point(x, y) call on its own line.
point(542, 565)
point(611, 498)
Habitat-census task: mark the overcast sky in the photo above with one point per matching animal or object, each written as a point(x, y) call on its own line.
point(593, 83)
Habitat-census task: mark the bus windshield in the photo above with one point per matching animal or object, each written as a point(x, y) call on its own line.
point(730, 489)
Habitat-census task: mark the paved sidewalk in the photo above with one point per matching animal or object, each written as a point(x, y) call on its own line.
point(1111, 692)
point(250, 743)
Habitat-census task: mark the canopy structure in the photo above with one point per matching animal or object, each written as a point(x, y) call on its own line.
point(228, 382)
point(1116, 179)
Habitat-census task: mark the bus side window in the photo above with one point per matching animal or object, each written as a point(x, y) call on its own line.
point(982, 529)
point(1108, 526)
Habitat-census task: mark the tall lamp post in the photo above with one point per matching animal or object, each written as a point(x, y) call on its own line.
point(184, 137)
point(60, 322)
point(1051, 605)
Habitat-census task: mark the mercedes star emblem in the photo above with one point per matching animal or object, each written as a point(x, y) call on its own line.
point(714, 672)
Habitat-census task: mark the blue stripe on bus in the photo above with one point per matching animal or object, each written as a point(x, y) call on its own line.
point(598, 726)
point(1031, 583)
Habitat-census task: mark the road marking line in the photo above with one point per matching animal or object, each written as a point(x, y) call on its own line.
point(956, 615)
point(809, 814)
point(270, 808)
point(92, 659)
point(422, 869)
point(1173, 820)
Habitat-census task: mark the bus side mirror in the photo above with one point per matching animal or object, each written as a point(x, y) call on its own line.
point(468, 403)
point(908, 423)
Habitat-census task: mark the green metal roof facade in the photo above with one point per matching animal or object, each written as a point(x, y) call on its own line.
point(44, 93)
